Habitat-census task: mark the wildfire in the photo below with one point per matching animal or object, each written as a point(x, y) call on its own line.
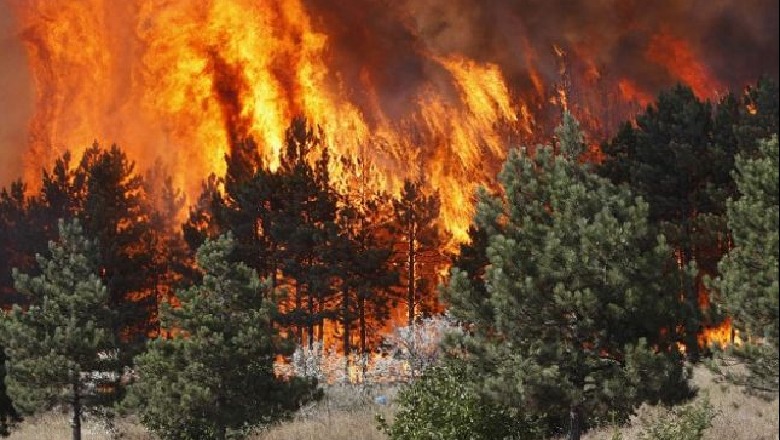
point(420, 90)
point(181, 80)
point(631, 92)
point(677, 56)
point(721, 335)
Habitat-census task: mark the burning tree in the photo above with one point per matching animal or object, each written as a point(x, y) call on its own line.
point(576, 292)
point(415, 215)
point(331, 251)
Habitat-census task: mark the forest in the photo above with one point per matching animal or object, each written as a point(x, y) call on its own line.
point(589, 284)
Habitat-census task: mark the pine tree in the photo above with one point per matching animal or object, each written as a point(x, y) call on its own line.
point(306, 225)
point(14, 252)
point(116, 213)
point(8, 414)
point(361, 256)
point(17, 239)
point(284, 222)
point(759, 115)
point(172, 260)
point(678, 156)
point(203, 222)
point(472, 260)
point(578, 294)
point(416, 214)
point(214, 378)
point(749, 272)
point(63, 333)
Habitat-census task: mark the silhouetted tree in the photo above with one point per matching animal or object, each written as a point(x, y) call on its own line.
point(416, 217)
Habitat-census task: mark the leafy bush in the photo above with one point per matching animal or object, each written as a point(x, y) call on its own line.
point(682, 423)
point(444, 405)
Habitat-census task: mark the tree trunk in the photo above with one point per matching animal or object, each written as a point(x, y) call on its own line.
point(692, 298)
point(410, 293)
point(76, 406)
point(575, 428)
point(310, 318)
point(298, 320)
point(219, 407)
point(363, 332)
point(347, 320)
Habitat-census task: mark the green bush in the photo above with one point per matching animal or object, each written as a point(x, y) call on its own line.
point(683, 423)
point(444, 405)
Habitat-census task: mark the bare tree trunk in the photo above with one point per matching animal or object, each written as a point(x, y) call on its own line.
point(410, 293)
point(575, 428)
point(363, 332)
point(347, 320)
point(76, 406)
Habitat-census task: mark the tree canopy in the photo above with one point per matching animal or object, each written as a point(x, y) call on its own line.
point(212, 376)
point(749, 272)
point(576, 293)
point(64, 333)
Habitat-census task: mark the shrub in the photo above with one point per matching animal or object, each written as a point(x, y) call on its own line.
point(443, 404)
point(682, 423)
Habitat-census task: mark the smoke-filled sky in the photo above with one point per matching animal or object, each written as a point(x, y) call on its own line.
point(394, 42)
point(737, 38)
point(15, 97)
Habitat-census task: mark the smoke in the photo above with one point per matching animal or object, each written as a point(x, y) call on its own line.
point(15, 99)
point(737, 39)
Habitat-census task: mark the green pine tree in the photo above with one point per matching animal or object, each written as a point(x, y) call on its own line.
point(283, 222)
point(63, 334)
point(578, 294)
point(749, 272)
point(214, 378)
point(679, 156)
point(305, 226)
point(8, 414)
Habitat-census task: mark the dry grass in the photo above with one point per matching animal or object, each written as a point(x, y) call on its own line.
point(57, 427)
point(348, 414)
point(739, 416)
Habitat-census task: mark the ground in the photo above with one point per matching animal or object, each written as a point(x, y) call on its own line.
point(348, 413)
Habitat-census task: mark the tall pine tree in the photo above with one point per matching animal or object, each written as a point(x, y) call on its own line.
point(65, 332)
point(361, 257)
point(416, 214)
point(214, 377)
point(749, 272)
point(678, 156)
point(578, 294)
point(116, 213)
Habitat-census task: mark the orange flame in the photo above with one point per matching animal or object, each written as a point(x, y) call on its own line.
point(721, 335)
point(676, 55)
point(182, 79)
point(632, 93)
